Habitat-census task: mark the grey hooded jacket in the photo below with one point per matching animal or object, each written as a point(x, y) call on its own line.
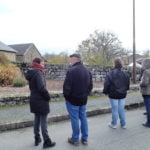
point(145, 80)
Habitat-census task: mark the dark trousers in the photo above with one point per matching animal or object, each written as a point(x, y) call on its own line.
point(40, 120)
point(147, 105)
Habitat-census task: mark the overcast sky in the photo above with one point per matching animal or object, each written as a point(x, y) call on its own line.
point(60, 25)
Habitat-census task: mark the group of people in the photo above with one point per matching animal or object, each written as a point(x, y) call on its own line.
point(76, 88)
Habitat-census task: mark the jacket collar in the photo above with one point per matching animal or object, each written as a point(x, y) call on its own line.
point(77, 63)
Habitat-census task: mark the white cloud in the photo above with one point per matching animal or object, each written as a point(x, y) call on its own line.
point(63, 24)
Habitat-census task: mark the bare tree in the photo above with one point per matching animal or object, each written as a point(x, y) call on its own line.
point(101, 45)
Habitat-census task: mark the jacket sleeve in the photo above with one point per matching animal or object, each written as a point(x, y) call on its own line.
point(67, 85)
point(145, 79)
point(128, 82)
point(41, 87)
point(106, 85)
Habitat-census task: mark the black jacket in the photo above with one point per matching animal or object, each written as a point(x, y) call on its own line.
point(39, 98)
point(116, 84)
point(77, 85)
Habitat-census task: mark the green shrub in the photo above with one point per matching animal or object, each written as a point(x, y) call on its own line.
point(19, 82)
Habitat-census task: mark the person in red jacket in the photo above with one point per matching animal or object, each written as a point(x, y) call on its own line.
point(39, 101)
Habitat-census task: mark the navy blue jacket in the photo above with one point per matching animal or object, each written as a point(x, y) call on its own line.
point(77, 85)
point(116, 84)
point(39, 98)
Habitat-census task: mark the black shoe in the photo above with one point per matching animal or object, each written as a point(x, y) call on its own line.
point(146, 125)
point(37, 140)
point(84, 142)
point(48, 143)
point(71, 141)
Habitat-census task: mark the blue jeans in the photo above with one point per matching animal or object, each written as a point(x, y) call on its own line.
point(117, 106)
point(147, 105)
point(40, 119)
point(77, 113)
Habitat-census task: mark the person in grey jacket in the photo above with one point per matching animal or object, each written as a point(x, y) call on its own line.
point(145, 88)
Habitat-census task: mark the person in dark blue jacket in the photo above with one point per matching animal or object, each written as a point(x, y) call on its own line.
point(115, 86)
point(77, 86)
point(39, 101)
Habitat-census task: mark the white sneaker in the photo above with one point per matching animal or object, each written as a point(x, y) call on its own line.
point(112, 126)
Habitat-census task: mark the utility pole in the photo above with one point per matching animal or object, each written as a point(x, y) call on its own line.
point(134, 46)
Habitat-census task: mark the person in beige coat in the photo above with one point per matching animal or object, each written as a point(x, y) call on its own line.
point(145, 88)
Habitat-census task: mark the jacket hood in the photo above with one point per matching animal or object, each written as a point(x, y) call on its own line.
point(30, 74)
point(146, 64)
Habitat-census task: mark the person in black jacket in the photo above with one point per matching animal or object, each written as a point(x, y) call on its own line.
point(39, 101)
point(115, 86)
point(77, 86)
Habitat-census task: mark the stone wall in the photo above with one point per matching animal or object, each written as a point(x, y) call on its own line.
point(98, 73)
point(11, 101)
point(58, 72)
point(21, 100)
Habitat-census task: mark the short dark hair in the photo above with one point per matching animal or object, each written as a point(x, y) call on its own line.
point(37, 60)
point(118, 63)
point(75, 55)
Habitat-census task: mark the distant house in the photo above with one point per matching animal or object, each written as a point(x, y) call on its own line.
point(9, 52)
point(137, 57)
point(129, 59)
point(26, 52)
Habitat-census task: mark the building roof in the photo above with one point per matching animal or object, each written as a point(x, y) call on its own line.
point(136, 55)
point(21, 48)
point(4, 47)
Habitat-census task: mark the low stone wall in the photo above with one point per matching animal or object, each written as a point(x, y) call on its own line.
point(133, 88)
point(10, 101)
point(58, 72)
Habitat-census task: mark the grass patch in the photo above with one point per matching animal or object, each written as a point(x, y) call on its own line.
point(13, 106)
point(93, 97)
point(134, 92)
point(19, 82)
point(14, 95)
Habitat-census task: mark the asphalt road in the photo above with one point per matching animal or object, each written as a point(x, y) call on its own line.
point(101, 137)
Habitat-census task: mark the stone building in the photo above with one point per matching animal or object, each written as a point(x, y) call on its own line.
point(26, 52)
point(9, 52)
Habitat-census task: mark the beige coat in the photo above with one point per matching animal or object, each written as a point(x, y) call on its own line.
point(145, 80)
